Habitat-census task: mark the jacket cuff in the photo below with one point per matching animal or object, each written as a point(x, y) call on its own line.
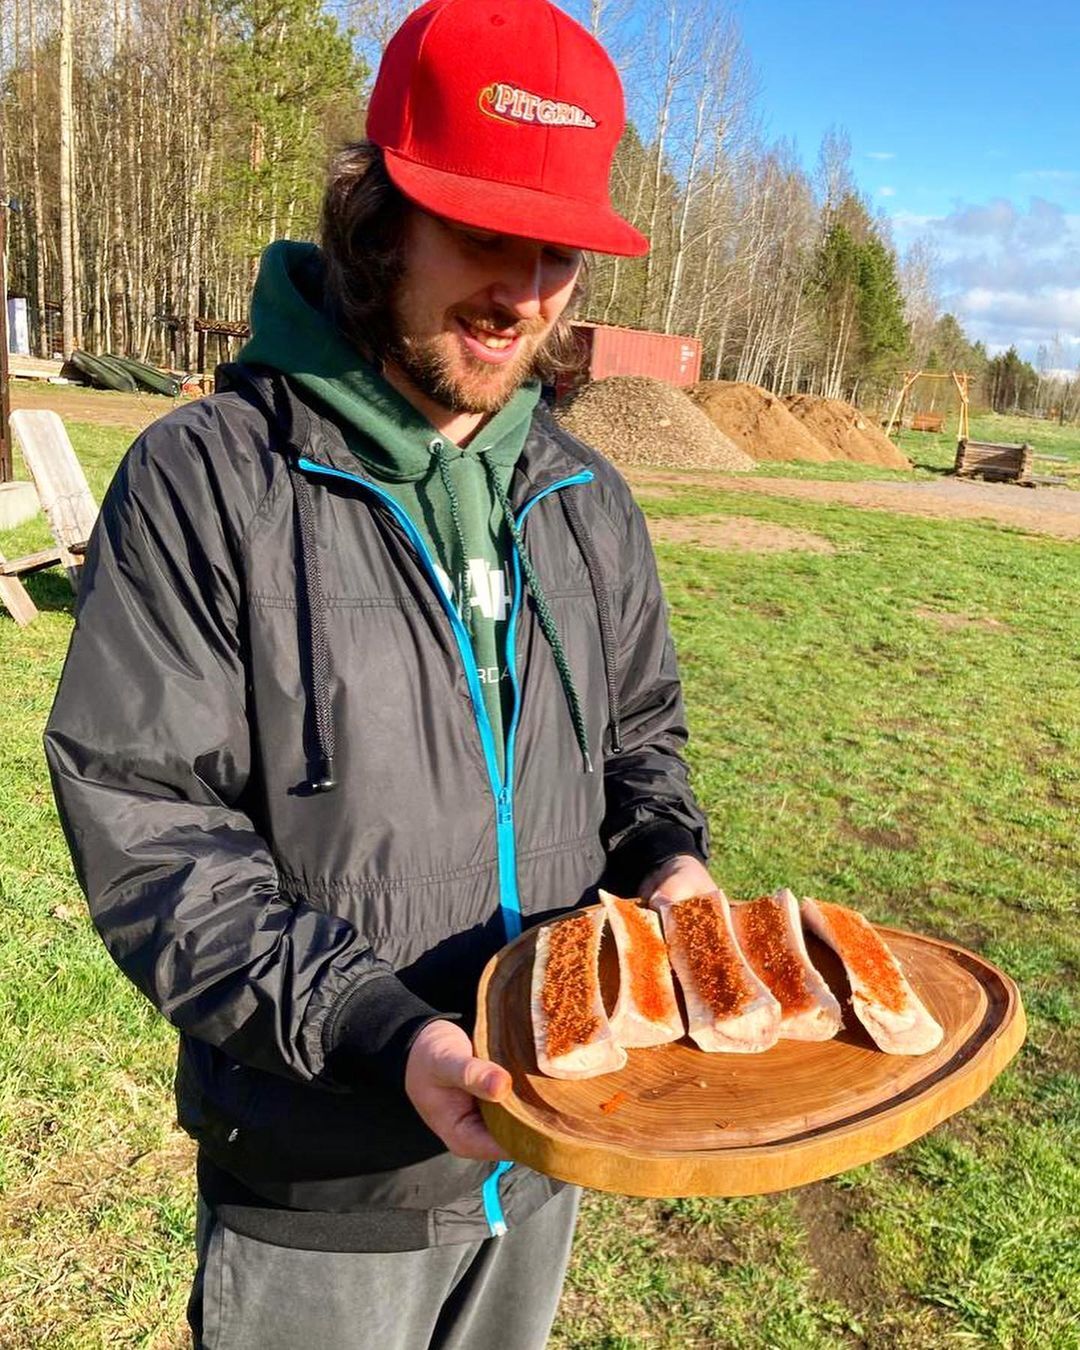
point(643, 851)
point(374, 1028)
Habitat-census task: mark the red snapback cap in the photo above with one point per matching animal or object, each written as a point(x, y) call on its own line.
point(504, 115)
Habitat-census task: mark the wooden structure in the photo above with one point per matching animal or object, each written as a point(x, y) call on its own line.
point(934, 422)
point(996, 462)
point(960, 378)
point(220, 328)
point(13, 594)
point(676, 1121)
point(65, 498)
point(34, 368)
point(61, 484)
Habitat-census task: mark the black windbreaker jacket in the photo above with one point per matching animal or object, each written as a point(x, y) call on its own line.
point(255, 617)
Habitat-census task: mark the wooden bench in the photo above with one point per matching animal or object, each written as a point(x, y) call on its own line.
point(928, 422)
point(65, 498)
point(13, 594)
point(994, 461)
point(61, 484)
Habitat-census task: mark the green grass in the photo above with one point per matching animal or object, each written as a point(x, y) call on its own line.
point(895, 724)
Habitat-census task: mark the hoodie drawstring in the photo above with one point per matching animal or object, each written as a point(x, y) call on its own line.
point(603, 613)
point(544, 614)
point(322, 779)
point(443, 463)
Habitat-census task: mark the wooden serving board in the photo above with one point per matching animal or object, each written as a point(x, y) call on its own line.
point(682, 1122)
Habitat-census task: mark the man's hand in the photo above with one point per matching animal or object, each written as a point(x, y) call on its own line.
point(443, 1079)
point(680, 878)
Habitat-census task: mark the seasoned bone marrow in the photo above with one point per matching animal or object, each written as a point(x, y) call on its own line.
point(771, 937)
point(727, 1006)
point(570, 1027)
point(646, 1010)
point(884, 1002)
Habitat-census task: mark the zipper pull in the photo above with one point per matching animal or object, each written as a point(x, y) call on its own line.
point(506, 811)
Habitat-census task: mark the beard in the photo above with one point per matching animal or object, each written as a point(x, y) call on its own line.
point(444, 370)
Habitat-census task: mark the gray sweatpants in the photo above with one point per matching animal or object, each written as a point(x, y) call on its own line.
point(499, 1294)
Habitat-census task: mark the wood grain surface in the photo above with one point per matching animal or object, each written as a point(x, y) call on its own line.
point(677, 1121)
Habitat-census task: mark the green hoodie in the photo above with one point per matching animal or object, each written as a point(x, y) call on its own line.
point(398, 447)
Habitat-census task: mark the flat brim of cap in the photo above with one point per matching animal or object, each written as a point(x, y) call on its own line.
point(507, 208)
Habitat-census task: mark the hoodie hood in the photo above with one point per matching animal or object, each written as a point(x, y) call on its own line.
point(291, 332)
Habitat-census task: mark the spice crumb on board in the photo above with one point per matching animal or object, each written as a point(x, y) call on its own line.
point(613, 1103)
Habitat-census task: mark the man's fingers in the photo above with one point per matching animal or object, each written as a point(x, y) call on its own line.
point(455, 1117)
point(481, 1078)
point(471, 1138)
point(477, 1077)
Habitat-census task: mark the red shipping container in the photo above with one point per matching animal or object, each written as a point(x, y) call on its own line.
point(606, 350)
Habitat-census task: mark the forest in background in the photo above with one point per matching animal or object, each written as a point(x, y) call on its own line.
point(156, 146)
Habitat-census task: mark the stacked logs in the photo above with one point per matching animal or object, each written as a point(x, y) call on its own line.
point(997, 462)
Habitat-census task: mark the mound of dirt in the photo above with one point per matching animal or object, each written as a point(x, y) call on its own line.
point(757, 421)
point(636, 420)
point(844, 431)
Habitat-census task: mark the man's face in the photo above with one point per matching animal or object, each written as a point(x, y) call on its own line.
point(473, 310)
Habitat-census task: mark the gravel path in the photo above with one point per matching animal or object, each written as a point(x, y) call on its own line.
point(1052, 511)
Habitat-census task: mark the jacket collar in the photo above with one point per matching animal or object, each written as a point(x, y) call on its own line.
point(547, 457)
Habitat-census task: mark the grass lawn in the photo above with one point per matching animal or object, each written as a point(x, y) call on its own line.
point(894, 724)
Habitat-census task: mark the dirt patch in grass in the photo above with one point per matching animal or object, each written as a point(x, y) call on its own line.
point(896, 841)
point(78, 1179)
point(955, 623)
point(736, 534)
point(104, 407)
point(846, 1263)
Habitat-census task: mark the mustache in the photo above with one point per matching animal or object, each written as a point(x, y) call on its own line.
point(503, 324)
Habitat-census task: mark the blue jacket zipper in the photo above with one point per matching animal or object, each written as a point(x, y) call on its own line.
point(502, 789)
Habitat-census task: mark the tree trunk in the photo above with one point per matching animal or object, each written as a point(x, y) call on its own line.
point(67, 266)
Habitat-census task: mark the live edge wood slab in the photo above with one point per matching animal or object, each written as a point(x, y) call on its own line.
point(678, 1122)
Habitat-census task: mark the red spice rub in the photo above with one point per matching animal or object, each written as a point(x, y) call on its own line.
point(866, 956)
point(647, 959)
point(762, 929)
point(613, 1103)
point(710, 954)
point(569, 991)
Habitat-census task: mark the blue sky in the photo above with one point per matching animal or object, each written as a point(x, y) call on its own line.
point(964, 122)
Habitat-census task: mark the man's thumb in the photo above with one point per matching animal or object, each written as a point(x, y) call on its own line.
point(486, 1080)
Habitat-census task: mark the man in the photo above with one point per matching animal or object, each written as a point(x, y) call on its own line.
point(371, 666)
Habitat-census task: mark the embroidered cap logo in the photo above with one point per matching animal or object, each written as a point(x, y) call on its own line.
point(507, 103)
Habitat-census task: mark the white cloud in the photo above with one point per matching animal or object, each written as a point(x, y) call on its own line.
point(1010, 273)
point(886, 192)
point(881, 154)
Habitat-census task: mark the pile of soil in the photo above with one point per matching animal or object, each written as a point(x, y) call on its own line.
point(636, 420)
point(845, 432)
point(757, 421)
